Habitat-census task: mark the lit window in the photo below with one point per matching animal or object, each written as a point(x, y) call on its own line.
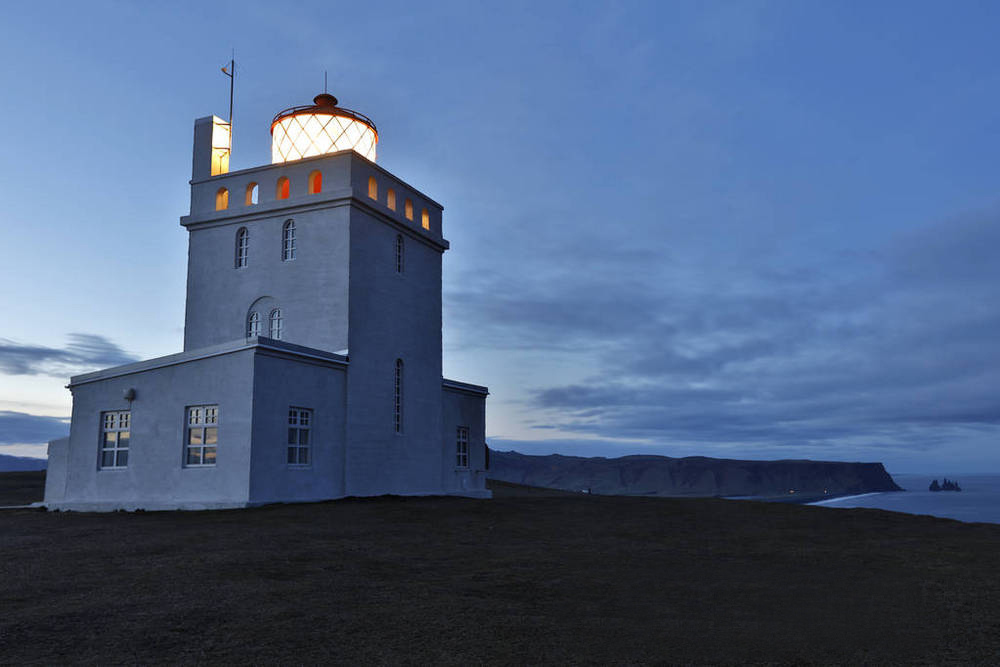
point(202, 435)
point(397, 397)
point(399, 253)
point(251, 198)
point(390, 199)
point(299, 426)
point(425, 219)
point(115, 430)
point(373, 188)
point(277, 325)
point(221, 199)
point(288, 241)
point(282, 189)
point(253, 324)
point(462, 447)
point(408, 209)
point(315, 182)
point(242, 247)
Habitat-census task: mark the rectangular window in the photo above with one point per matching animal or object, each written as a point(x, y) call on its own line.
point(462, 447)
point(202, 435)
point(299, 428)
point(115, 430)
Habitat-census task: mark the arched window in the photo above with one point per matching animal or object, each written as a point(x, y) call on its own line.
point(283, 188)
point(253, 324)
point(288, 241)
point(315, 182)
point(242, 247)
point(397, 397)
point(277, 326)
point(425, 219)
point(399, 253)
point(408, 209)
point(221, 199)
point(372, 188)
point(390, 199)
point(251, 198)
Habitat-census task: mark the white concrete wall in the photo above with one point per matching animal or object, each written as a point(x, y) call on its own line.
point(464, 408)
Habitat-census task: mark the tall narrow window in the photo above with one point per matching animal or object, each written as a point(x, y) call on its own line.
point(276, 324)
point(283, 188)
point(202, 435)
point(252, 192)
point(399, 253)
point(408, 209)
point(397, 397)
point(299, 428)
point(390, 199)
point(253, 324)
point(425, 219)
point(221, 199)
point(462, 447)
point(288, 241)
point(242, 247)
point(115, 430)
point(315, 182)
point(372, 188)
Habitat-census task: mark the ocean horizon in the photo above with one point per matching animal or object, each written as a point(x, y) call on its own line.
point(977, 502)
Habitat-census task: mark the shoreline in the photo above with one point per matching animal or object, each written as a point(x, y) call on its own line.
point(851, 497)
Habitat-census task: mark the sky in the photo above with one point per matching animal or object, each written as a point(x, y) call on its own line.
point(735, 229)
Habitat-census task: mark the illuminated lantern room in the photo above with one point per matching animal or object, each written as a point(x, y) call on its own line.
point(321, 128)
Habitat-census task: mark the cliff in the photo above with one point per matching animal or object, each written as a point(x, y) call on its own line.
point(690, 476)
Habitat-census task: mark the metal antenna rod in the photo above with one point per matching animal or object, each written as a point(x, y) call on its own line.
point(232, 81)
point(324, 81)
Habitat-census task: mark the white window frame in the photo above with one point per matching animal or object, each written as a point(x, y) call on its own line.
point(399, 253)
point(288, 241)
point(114, 423)
point(298, 452)
point(253, 324)
point(397, 397)
point(462, 447)
point(242, 247)
point(275, 324)
point(202, 420)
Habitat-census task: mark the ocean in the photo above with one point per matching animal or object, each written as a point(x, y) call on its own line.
point(979, 499)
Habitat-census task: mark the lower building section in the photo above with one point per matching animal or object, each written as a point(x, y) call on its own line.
point(248, 423)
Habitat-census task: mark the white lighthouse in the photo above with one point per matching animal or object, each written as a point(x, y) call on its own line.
point(311, 367)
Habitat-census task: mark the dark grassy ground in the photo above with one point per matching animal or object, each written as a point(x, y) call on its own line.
point(529, 577)
point(21, 488)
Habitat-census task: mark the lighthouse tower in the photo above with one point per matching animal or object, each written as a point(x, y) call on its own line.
point(311, 366)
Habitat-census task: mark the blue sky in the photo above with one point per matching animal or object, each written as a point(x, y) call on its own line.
point(747, 229)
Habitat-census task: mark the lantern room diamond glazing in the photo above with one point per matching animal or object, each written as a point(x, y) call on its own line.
point(308, 134)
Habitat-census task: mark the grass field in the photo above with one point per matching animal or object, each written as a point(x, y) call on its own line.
point(529, 577)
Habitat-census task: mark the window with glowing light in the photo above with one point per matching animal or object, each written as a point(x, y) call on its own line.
point(462, 447)
point(202, 436)
point(299, 436)
point(242, 247)
point(399, 253)
point(408, 209)
point(115, 431)
point(288, 241)
point(221, 199)
point(253, 324)
point(390, 199)
point(425, 219)
point(315, 182)
point(251, 196)
point(277, 325)
point(372, 188)
point(283, 188)
point(397, 397)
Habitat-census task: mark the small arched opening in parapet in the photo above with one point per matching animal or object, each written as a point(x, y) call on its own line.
point(425, 219)
point(390, 199)
point(408, 209)
point(315, 182)
point(252, 193)
point(372, 188)
point(221, 199)
point(283, 189)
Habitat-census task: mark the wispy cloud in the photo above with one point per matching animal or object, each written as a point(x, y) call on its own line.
point(82, 353)
point(19, 428)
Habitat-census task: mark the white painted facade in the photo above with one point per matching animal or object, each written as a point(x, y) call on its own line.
point(359, 296)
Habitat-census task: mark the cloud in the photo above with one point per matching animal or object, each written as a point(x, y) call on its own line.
point(19, 428)
point(84, 352)
point(895, 347)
